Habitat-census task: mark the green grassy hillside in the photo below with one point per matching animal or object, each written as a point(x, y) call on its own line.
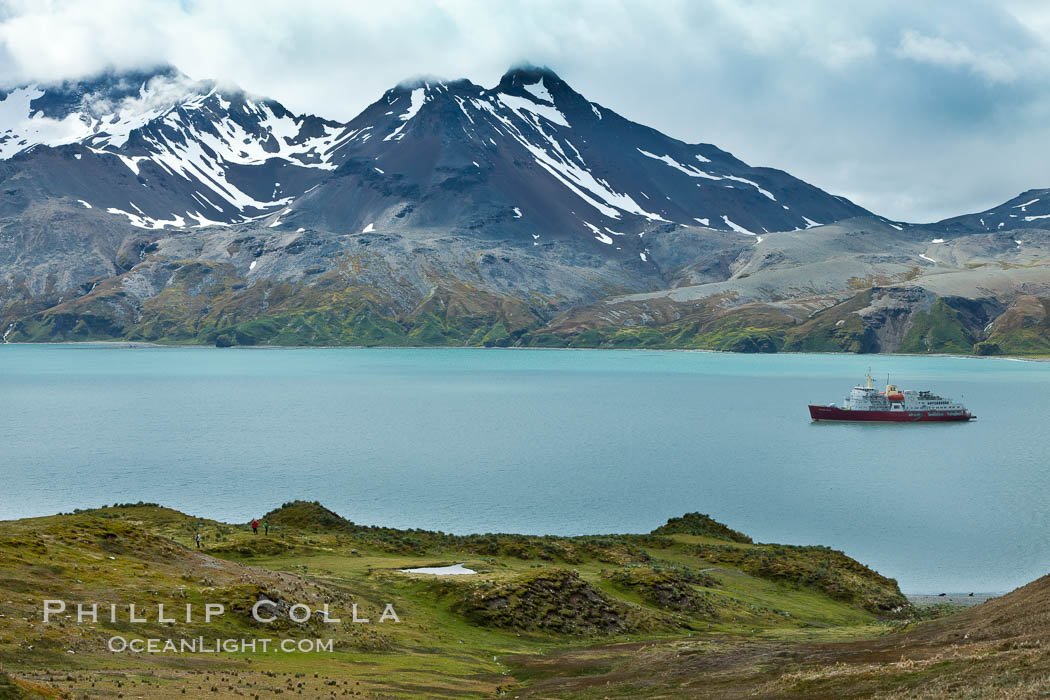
point(208, 305)
point(691, 578)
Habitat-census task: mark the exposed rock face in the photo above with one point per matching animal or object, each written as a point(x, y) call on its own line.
point(888, 318)
point(1025, 313)
point(552, 600)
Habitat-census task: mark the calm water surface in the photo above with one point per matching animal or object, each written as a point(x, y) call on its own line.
point(558, 442)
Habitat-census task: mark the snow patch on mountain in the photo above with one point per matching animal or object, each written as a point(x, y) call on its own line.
point(203, 221)
point(539, 90)
point(598, 233)
point(416, 100)
point(736, 227)
point(575, 176)
point(519, 104)
point(697, 172)
point(142, 221)
point(687, 169)
point(21, 128)
point(765, 193)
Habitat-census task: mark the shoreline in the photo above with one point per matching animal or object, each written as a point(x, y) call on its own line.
point(966, 600)
point(141, 344)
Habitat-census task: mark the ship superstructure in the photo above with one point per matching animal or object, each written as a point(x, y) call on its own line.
point(866, 403)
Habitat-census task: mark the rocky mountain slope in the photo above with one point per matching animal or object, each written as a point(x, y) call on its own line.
point(860, 285)
point(148, 206)
point(1029, 209)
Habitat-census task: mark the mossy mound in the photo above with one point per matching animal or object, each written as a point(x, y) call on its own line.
point(701, 524)
point(669, 589)
point(103, 532)
point(549, 600)
point(308, 516)
point(820, 568)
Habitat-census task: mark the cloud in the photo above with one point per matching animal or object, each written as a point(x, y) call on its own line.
point(843, 54)
point(915, 110)
point(952, 54)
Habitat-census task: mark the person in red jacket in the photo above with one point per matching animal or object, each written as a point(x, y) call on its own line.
point(255, 527)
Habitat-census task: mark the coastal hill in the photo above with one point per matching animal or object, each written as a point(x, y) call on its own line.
point(530, 593)
point(693, 609)
point(148, 206)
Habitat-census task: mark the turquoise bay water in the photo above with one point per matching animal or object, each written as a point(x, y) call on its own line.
point(557, 442)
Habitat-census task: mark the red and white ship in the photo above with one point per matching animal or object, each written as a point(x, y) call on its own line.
point(865, 403)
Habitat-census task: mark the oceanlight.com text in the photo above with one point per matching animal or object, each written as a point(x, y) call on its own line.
point(202, 645)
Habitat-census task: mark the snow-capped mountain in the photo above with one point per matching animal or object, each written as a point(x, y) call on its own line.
point(529, 157)
point(533, 159)
point(160, 150)
point(151, 206)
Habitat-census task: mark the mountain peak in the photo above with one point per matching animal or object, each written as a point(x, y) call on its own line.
point(527, 74)
point(101, 92)
point(535, 153)
point(421, 81)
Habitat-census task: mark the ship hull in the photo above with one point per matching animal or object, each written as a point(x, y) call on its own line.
point(834, 413)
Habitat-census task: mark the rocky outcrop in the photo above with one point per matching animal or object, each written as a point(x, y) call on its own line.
point(890, 314)
point(551, 600)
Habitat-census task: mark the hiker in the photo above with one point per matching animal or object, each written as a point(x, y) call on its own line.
point(255, 527)
point(266, 527)
point(198, 538)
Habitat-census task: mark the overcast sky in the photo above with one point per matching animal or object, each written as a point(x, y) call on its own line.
point(915, 110)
